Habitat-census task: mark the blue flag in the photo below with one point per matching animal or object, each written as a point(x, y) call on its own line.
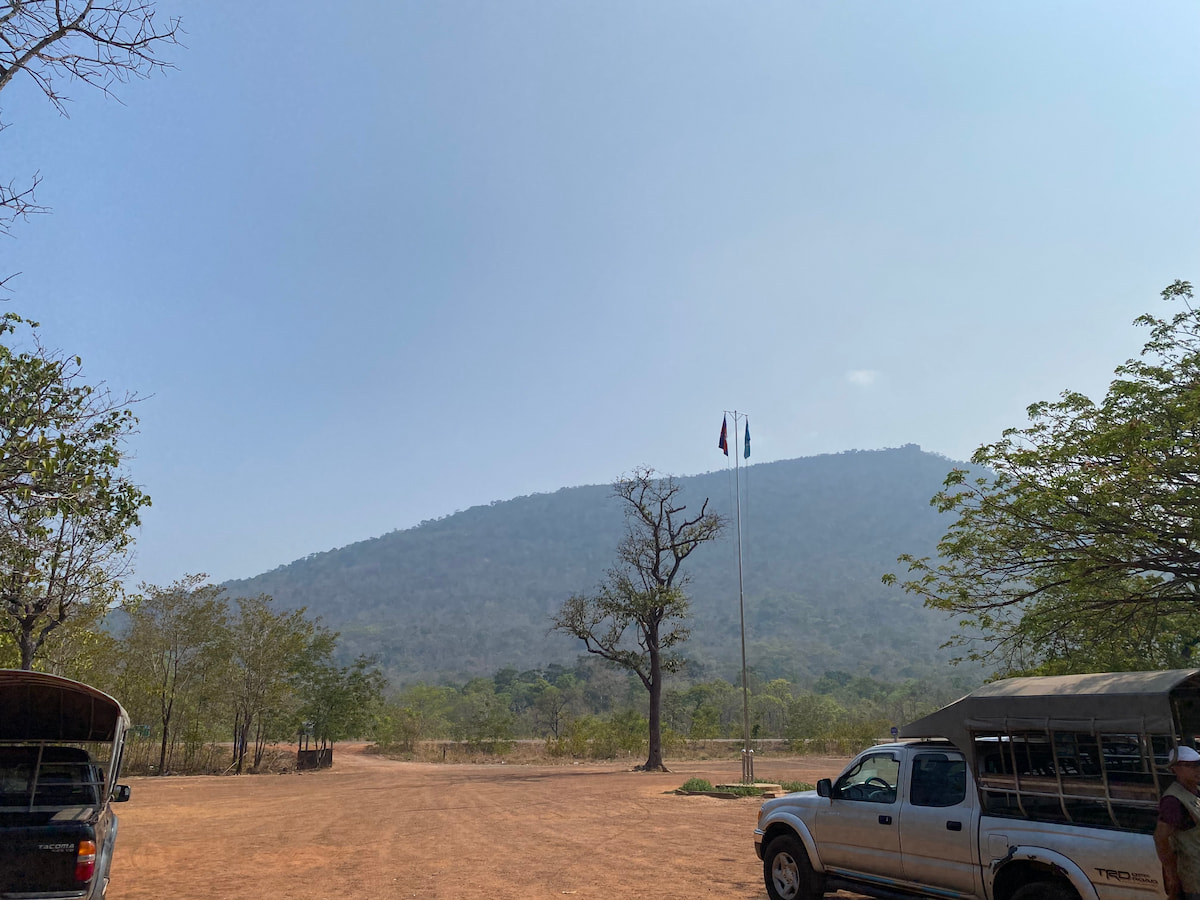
point(746, 454)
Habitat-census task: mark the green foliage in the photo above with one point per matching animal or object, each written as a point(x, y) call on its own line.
point(269, 652)
point(591, 727)
point(340, 702)
point(177, 639)
point(596, 737)
point(628, 729)
point(741, 790)
point(792, 786)
point(696, 784)
point(192, 665)
point(706, 723)
point(420, 712)
point(481, 718)
point(68, 509)
point(1076, 543)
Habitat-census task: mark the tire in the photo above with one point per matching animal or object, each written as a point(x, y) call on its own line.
point(788, 873)
point(1045, 890)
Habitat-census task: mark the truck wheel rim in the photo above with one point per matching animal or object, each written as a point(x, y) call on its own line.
point(786, 876)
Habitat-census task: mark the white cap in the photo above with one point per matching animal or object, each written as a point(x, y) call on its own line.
point(1182, 755)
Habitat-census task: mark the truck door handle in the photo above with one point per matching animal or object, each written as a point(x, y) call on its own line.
point(885, 820)
point(954, 826)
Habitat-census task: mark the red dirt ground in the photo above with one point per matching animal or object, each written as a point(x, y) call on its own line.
point(376, 828)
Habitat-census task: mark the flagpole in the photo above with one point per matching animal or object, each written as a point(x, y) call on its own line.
point(747, 751)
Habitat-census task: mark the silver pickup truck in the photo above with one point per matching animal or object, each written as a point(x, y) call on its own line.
point(1027, 789)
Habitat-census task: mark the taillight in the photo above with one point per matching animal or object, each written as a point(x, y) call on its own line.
point(85, 862)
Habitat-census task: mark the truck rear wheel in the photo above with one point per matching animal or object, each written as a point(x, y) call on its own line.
point(1045, 890)
point(788, 873)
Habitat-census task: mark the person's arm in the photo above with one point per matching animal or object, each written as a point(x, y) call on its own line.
point(1166, 856)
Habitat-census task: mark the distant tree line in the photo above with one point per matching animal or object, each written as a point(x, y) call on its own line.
point(213, 683)
point(593, 710)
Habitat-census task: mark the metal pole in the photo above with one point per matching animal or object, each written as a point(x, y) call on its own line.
point(747, 752)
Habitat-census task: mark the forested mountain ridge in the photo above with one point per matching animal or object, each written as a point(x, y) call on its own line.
point(474, 591)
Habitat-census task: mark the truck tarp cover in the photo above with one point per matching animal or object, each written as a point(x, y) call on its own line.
point(1134, 702)
point(39, 707)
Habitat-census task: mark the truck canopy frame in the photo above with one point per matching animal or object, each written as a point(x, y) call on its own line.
point(48, 713)
point(1085, 749)
point(1145, 702)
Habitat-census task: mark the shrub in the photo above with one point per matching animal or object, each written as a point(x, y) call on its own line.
point(792, 786)
point(696, 784)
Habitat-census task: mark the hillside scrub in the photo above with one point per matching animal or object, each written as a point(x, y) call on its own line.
point(818, 534)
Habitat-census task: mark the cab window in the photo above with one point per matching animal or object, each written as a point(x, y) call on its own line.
point(872, 779)
point(938, 779)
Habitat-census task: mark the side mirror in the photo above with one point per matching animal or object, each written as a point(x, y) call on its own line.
point(824, 788)
point(120, 793)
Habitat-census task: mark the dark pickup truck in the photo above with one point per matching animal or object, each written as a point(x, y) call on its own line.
point(60, 755)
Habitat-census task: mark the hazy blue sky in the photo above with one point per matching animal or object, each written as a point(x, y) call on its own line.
point(370, 263)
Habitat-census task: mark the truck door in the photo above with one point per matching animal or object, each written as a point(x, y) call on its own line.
point(937, 823)
point(858, 832)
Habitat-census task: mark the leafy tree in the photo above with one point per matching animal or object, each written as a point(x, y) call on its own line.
point(267, 651)
point(550, 710)
point(480, 716)
point(87, 651)
point(176, 637)
point(768, 712)
point(556, 705)
point(706, 723)
point(66, 508)
point(716, 709)
point(812, 716)
point(1077, 539)
point(89, 42)
point(420, 712)
point(638, 613)
point(340, 703)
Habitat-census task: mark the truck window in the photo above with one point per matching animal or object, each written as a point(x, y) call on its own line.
point(64, 779)
point(872, 779)
point(937, 780)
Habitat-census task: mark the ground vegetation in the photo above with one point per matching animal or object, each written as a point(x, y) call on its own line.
point(489, 716)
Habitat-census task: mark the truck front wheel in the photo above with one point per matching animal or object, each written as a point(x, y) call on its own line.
point(788, 873)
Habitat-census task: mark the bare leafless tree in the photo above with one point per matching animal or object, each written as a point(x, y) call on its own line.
point(640, 610)
point(99, 43)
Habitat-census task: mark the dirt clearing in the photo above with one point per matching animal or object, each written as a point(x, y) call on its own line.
point(376, 828)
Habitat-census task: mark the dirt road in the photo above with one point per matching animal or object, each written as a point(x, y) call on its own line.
point(375, 828)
